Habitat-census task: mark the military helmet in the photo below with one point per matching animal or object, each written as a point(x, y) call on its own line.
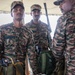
point(57, 2)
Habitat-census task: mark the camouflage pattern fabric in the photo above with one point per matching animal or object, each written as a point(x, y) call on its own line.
point(64, 41)
point(16, 42)
point(40, 32)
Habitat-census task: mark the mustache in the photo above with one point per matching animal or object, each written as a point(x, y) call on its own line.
point(36, 15)
point(19, 14)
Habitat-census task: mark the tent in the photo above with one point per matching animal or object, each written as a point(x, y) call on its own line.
point(5, 6)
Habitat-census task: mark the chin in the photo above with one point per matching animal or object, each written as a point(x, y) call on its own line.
point(19, 19)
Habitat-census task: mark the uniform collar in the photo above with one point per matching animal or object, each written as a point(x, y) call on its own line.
point(37, 23)
point(69, 14)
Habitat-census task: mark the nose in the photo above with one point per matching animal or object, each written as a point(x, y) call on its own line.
point(36, 12)
point(18, 10)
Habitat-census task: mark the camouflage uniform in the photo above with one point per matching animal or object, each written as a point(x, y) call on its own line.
point(16, 42)
point(40, 32)
point(64, 41)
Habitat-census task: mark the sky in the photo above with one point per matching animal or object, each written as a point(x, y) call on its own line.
point(6, 18)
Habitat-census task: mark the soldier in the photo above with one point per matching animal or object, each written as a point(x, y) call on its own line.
point(40, 29)
point(64, 37)
point(40, 32)
point(15, 42)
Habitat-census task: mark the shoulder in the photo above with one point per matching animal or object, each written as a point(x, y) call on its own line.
point(5, 26)
point(61, 22)
point(28, 24)
point(64, 18)
point(43, 25)
point(60, 19)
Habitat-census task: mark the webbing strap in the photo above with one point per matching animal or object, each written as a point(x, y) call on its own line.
point(43, 62)
point(4, 69)
point(10, 70)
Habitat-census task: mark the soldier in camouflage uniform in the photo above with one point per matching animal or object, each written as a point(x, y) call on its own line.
point(64, 37)
point(39, 29)
point(16, 40)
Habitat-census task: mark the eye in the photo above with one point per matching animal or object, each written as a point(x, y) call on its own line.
point(18, 9)
point(15, 10)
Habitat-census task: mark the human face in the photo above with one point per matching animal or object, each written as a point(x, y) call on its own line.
point(36, 14)
point(17, 13)
point(65, 6)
